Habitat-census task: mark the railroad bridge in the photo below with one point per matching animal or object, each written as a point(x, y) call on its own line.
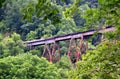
point(51, 45)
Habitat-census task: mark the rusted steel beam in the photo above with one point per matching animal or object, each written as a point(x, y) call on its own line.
point(70, 47)
point(47, 52)
point(115, 40)
point(81, 45)
point(86, 44)
point(50, 50)
point(67, 37)
point(58, 51)
point(76, 53)
point(102, 39)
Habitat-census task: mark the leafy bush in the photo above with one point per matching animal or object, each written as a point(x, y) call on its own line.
point(27, 66)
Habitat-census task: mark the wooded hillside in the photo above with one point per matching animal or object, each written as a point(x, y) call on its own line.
point(22, 20)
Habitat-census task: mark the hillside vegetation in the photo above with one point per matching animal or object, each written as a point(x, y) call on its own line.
point(22, 20)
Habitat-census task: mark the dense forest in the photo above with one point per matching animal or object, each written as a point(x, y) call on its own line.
point(23, 20)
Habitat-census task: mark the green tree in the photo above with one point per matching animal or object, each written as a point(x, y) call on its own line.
point(27, 66)
point(107, 13)
point(103, 62)
point(44, 9)
point(11, 46)
point(1, 3)
point(11, 18)
point(66, 26)
point(31, 35)
point(2, 27)
point(65, 65)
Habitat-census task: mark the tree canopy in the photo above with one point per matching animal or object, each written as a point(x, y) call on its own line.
point(22, 20)
point(103, 62)
point(27, 66)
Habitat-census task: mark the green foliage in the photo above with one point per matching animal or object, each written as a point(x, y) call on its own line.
point(1, 3)
point(31, 35)
point(35, 52)
point(66, 26)
point(47, 18)
point(12, 15)
point(28, 11)
point(79, 20)
point(92, 18)
point(27, 66)
point(44, 19)
point(64, 63)
point(101, 63)
point(69, 12)
point(45, 9)
point(11, 46)
point(107, 13)
point(2, 27)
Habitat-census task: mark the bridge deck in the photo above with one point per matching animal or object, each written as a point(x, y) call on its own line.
point(67, 36)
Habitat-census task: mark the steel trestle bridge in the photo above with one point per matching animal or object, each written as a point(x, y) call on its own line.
point(52, 44)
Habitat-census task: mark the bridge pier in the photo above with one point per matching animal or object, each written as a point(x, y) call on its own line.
point(47, 53)
point(31, 47)
point(115, 40)
point(79, 47)
point(76, 54)
point(86, 44)
point(50, 51)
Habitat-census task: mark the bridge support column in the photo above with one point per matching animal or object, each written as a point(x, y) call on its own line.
point(102, 38)
point(58, 48)
point(31, 47)
point(115, 40)
point(50, 51)
point(86, 44)
point(73, 51)
point(47, 53)
point(81, 45)
point(56, 51)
